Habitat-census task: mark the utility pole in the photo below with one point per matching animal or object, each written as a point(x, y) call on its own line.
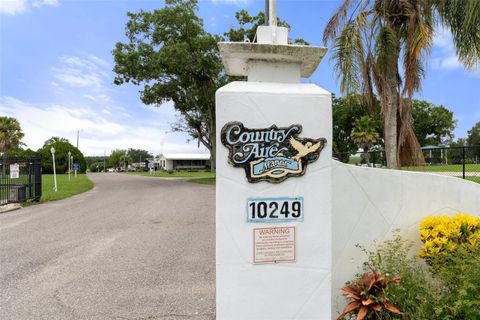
point(78, 135)
point(104, 157)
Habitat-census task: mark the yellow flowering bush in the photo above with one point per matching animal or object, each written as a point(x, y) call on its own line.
point(442, 235)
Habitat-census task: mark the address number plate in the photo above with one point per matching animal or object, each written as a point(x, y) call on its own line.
point(274, 209)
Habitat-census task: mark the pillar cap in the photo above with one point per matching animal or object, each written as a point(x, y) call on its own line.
point(236, 55)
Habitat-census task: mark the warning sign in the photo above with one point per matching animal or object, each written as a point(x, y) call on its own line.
point(14, 171)
point(273, 245)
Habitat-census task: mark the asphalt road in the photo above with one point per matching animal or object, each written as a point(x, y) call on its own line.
point(131, 248)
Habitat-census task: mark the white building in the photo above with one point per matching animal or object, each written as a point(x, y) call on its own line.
point(183, 161)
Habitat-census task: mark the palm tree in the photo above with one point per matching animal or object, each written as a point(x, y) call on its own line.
point(463, 20)
point(367, 46)
point(365, 134)
point(371, 36)
point(10, 134)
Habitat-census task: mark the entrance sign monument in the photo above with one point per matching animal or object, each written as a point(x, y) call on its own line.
point(273, 192)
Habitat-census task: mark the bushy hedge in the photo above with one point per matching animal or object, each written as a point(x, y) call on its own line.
point(61, 157)
point(445, 235)
point(446, 287)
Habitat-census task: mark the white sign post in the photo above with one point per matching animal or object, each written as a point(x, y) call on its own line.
point(52, 150)
point(273, 187)
point(69, 165)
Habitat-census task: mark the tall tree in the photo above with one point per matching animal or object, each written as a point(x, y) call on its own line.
point(53, 140)
point(365, 134)
point(62, 147)
point(369, 38)
point(345, 111)
point(169, 53)
point(10, 134)
point(138, 155)
point(118, 159)
point(473, 138)
point(434, 124)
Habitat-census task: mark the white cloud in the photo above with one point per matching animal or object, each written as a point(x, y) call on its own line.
point(13, 7)
point(40, 3)
point(445, 57)
point(97, 132)
point(77, 71)
point(84, 100)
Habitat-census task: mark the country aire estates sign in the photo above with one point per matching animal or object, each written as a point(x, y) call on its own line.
point(271, 154)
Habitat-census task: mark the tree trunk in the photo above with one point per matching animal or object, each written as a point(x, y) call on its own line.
point(390, 130)
point(409, 149)
point(213, 145)
point(390, 104)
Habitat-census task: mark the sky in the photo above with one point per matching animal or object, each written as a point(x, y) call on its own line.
point(56, 71)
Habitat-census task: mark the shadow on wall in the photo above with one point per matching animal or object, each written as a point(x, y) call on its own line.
point(369, 204)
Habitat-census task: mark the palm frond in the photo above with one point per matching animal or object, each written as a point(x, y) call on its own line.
point(418, 37)
point(347, 53)
point(463, 19)
point(336, 21)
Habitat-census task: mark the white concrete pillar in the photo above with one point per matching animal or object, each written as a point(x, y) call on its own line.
point(279, 266)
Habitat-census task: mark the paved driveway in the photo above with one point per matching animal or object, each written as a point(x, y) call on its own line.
point(132, 248)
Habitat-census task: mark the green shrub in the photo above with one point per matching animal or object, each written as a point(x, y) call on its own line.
point(452, 249)
point(415, 294)
point(446, 289)
point(459, 274)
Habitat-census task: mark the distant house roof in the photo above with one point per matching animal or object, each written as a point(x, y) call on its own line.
point(430, 147)
point(185, 156)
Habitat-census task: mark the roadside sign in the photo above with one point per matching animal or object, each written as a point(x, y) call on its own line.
point(14, 171)
point(76, 166)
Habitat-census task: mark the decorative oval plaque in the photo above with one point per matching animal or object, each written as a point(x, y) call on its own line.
point(271, 154)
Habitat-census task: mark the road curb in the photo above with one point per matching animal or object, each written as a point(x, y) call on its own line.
point(9, 208)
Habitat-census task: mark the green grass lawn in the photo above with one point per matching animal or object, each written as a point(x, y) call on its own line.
point(446, 168)
point(209, 181)
point(179, 174)
point(436, 168)
point(65, 188)
point(354, 160)
point(474, 179)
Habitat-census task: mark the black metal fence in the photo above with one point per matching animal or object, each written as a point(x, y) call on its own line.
point(462, 162)
point(20, 179)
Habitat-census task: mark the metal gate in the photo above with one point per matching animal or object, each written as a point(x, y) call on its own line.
point(20, 179)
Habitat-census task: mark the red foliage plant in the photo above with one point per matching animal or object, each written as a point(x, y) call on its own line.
point(367, 295)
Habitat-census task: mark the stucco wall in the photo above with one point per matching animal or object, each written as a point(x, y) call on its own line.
point(277, 291)
point(368, 204)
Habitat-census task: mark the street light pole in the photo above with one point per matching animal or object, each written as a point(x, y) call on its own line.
point(69, 166)
point(52, 150)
